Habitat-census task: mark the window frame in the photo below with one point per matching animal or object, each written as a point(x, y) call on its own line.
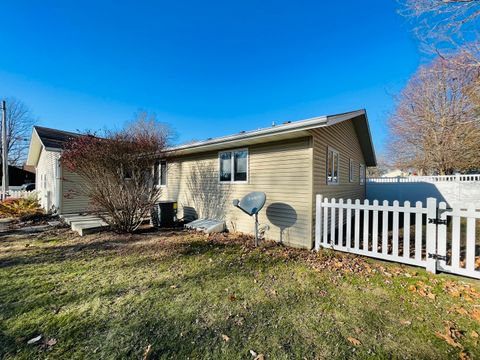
point(331, 149)
point(351, 170)
point(362, 174)
point(232, 166)
point(160, 173)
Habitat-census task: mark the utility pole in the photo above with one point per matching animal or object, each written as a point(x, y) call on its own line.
point(4, 151)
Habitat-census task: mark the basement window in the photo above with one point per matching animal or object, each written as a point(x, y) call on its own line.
point(332, 166)
point(233, 166)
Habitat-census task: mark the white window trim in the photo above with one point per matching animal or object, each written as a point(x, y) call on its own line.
point(232, 165)
point(362, 174)
point(159, 169)
point(338, 167)
point(351, 171)
point(160, 173)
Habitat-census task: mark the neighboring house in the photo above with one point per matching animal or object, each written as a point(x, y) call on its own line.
point(291, 163)
point(18, 176)
point(58, 188)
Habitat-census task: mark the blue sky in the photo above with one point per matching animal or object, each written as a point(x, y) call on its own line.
point(208, 68)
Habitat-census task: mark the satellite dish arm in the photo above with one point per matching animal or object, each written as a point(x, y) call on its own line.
point(236, 203)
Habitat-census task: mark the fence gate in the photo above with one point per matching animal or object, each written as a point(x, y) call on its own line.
point(434, 237)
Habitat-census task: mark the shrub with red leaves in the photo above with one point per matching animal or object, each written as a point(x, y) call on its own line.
point(118, 170)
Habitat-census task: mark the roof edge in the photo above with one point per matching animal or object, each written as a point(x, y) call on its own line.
point(300, 125)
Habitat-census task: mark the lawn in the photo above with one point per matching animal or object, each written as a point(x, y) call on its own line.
point(184, 295)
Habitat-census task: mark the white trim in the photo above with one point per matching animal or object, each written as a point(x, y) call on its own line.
point(277, 132)
point(232, 166)
point(337, 164)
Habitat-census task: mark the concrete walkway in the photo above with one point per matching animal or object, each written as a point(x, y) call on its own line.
point(84, 224)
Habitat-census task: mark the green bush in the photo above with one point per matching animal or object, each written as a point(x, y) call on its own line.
point(17, 207)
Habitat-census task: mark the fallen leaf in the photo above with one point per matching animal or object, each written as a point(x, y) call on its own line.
point(412, 288)
point(225, 338)
point(405, 322)
point(232, 297)
point(147, 353)
point(464, 356)
point(476, 314)
point(51, 342)
point(34, 340)
point(260, 357)
point(354, 341)
point(173, 286)
point(431, 296)
point(462, 311)
point(455, 293)
point(450, 335)
point(474, 334)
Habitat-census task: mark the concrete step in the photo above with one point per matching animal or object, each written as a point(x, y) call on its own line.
point(69, 218)
point(86, 228)
point(85, 224)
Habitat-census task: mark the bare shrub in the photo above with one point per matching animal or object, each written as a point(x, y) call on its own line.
point(119, 171)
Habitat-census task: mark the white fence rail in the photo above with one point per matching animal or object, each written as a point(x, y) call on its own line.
point(429, 236)
point(17, 194)
point(430, 179)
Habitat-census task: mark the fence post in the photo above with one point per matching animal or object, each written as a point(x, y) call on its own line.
point(431, 235)
point(318, 221)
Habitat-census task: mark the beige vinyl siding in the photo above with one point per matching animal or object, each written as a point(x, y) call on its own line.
point(343, 138)
point(73, 198)
point(45, 178)
point(281, 169)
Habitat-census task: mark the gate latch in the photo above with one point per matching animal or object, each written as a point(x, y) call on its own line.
point(437, 257)
point(437, 221)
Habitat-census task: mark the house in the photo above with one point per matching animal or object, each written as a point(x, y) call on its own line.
point(291, 163)
point(18, 176)
point(57, 187)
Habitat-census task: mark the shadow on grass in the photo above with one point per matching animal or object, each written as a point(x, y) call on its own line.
point(138, 244)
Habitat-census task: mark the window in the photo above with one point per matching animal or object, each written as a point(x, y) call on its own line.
point(160, 173)
point(233, 166)
point(332, 166)
point(362, 174)
point(351, 171)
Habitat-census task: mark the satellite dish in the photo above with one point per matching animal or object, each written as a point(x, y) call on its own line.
point(251, 204)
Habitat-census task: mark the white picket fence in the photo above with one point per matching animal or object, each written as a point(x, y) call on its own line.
point(17, 194)
point(429, 179)
point(428, 236)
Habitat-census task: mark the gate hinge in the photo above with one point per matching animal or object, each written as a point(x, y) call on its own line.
point(437, 257)
point(437, 221)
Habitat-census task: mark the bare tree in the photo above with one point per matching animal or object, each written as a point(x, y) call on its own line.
point(435, 128)
point(147, 123)
point(383, 166)
point(19, 127)
point(119, 171)
point(446, 26)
